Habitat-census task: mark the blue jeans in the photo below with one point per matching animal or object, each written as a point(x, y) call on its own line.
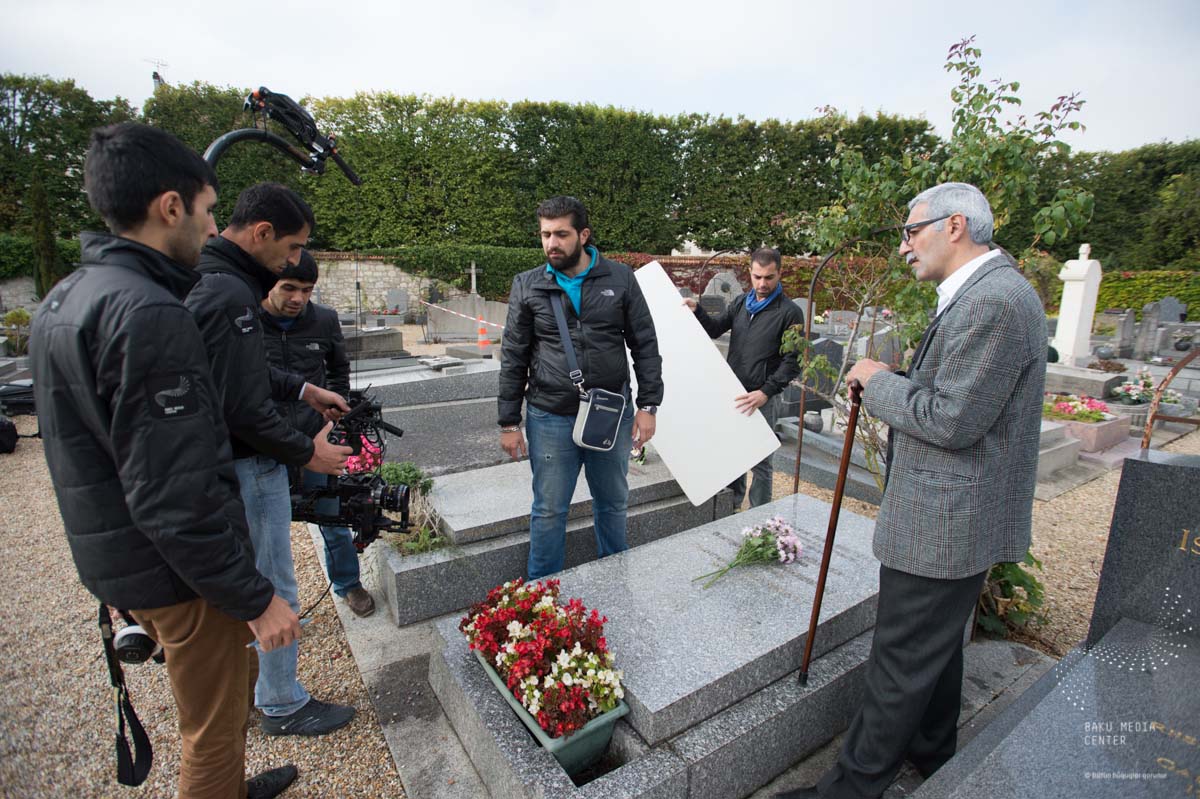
point(267, 497)
point(761, 487)
point(341, 558)
point(555, 460)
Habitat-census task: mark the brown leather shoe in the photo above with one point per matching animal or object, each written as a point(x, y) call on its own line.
point(360, 602)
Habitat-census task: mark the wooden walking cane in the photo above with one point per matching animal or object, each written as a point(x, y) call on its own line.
point(840, 488)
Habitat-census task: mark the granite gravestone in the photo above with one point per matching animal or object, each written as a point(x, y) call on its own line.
point(1146, 343)
point(1119, 716)
point(725, 285)
point(397, 300)
point(1172, 310)
point(1126, 331)
point(713, 305)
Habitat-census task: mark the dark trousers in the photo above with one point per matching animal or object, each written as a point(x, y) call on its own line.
point(913, 686)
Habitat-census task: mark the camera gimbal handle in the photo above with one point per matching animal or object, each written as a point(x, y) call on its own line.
point(314, 146)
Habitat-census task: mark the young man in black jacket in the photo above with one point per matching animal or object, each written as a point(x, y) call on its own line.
point(305, 338)
point(139, 453)
point(758, 320)
point(605, 311)
point(266, 232)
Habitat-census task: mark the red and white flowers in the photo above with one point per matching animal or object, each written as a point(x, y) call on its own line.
point(553, 657)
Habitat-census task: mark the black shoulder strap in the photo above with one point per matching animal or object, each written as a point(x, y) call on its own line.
point(131, 770)
point(568, 347)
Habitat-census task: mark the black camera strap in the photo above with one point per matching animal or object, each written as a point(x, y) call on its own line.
point(131, 769)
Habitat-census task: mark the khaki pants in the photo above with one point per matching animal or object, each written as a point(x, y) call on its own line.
point(211, 673)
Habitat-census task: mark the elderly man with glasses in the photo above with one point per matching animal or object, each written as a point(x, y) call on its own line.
point(963, 448)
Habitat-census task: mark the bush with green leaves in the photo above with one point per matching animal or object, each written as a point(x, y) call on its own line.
point(406, 473)
point(1012, 597)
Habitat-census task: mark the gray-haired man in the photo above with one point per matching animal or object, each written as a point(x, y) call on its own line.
point(964, 423)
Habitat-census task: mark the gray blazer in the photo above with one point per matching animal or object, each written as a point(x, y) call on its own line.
point(965, 425)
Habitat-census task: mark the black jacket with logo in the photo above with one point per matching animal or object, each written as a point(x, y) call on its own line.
point(613, 313)
point(315, 350)
point(754, 354)
point(134, 437)
point(225, 305)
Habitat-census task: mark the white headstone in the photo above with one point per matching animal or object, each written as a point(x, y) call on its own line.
point(1081, 285)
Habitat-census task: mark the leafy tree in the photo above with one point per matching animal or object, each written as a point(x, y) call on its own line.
point(1171, 229)
point(45, 126)
point(47, 266)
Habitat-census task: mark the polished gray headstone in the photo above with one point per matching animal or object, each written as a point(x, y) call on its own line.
point(688, 652)
point(491, 502)
point(713, 305)
point(425, 585)
point(1063, 379)
point(1119, 720)
point(420, 385)
point(447, 437)
point(1153, 553)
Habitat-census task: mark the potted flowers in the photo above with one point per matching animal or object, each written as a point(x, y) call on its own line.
point(552, 665)
point(1087, 419)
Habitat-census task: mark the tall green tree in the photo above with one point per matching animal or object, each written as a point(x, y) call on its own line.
point(45, 125)
point(47, 266)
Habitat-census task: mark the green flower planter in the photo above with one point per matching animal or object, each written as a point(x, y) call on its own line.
point(574, 752)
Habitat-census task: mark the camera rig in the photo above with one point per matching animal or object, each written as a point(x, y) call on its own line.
point(361, 496)
point(314, 147)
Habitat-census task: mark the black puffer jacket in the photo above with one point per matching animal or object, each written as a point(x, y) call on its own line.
point(613, 314)
point(225, 305)
point(315, 350)
point(135, 439)
point(754, 354)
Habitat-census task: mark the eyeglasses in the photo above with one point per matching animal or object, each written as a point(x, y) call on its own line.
point(908, 231)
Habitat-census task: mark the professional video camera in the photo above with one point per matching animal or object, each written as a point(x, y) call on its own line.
point(364, 495)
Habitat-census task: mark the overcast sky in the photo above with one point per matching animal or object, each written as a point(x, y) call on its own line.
point(1136, 65)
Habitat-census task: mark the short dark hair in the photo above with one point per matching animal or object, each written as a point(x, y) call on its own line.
point(305, 270)
point(562, 205)
point(765, 256)
point(275, 203)
point(130, 164)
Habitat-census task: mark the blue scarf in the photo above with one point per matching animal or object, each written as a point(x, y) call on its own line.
point(753, 306)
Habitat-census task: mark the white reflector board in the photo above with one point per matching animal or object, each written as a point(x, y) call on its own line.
point(701, 437)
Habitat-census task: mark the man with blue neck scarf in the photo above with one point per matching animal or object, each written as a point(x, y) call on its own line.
point(757, 320)
point(605, 312)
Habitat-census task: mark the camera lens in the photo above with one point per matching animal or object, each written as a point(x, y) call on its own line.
point(393, 498)
point(133, 645)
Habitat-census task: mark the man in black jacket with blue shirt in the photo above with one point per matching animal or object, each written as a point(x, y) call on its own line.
point(605, 312)
point(758, 319)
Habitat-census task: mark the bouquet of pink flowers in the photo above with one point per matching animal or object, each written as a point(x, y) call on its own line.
point(773, 542)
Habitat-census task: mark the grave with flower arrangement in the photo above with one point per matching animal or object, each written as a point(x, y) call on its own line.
point(715, 709)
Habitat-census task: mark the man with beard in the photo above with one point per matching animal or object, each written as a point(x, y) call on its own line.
point(305, 338)
point(267, 230)
point(139, 454)
point(606, 311)
point(758, 319)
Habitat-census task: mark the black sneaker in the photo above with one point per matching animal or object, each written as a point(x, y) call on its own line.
point(315, 718)
point(271, 783)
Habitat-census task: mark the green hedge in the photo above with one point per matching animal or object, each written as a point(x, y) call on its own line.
point(1135, 289)
point(16, 255)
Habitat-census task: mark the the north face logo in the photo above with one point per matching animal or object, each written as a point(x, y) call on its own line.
point(314, 346)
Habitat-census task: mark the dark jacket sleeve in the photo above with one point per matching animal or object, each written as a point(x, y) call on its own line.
point(169, 465)
point(516, 352)
point(241, 375)
point(643, 346)
point(789, 368)
point(337, 363)
point(722, 324)
point(285, 386)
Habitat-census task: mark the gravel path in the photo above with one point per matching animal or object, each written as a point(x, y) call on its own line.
point(55, 701)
